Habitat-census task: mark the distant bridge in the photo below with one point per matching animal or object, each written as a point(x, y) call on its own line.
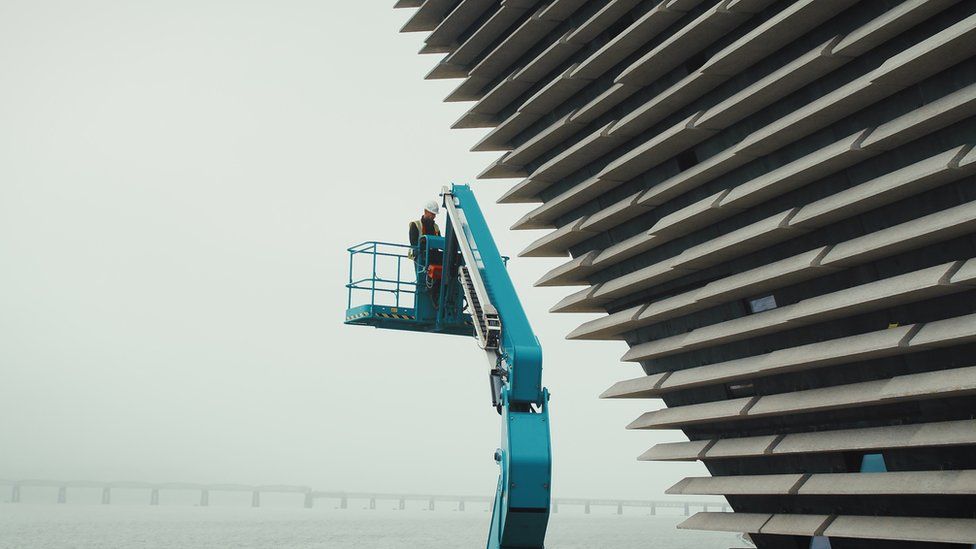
point(342, 498)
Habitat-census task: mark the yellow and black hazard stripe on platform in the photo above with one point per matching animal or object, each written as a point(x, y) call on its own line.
point(395, 315)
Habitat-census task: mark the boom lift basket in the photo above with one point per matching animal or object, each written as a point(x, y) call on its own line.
point(382, 291)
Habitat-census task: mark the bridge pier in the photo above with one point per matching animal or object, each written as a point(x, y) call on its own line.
point(586, 508)
point(255, 499)
point(15, 494)
point(653, 509)
point(430, 504)
point(106, 495)
point(343, 502)
point(461, 505)
point(154, 497)
point(687, 510)
point(372, 504)
point(309, 500)
point(205, 498)
point(62, 494)
point(620, 508)
point(403, 504)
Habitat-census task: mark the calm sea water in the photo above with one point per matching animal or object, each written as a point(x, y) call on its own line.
point(51, 526)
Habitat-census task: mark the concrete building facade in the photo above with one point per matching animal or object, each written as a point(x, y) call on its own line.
point(774, 204)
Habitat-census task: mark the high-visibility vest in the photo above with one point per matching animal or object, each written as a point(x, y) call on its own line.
point(420, 232)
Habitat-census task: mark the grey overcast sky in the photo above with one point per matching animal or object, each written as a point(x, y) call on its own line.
point(178, 183)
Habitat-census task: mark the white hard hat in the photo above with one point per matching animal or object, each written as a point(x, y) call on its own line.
point(432, 207)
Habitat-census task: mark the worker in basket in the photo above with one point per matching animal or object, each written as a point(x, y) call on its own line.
point(427, 225)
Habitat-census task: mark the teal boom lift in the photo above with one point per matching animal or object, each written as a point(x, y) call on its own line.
point(458, 284)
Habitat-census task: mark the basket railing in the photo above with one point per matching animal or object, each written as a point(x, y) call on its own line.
point(380, 260)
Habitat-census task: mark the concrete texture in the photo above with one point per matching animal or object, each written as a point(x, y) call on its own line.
point(693, 413)
point(944, 530)
point(946, 433)
point(731, 123)
point(676, 451)
point(738, 485)
point(813, 355)
point(641, 387)
point(897, 483)
point(726, 522)
point(796, 525)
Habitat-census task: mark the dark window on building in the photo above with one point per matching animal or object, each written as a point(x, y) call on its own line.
point(761, 304)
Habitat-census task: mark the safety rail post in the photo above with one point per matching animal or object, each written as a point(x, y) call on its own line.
point(397, 294)
point(372, 297)
point(352, 255)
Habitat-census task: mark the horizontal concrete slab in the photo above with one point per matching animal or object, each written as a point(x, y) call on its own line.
point(942, 333)
point(800, 172)
point(599, 21)
point(739, 242)
point(890, 24)
point(966, 274)
point(656, 150)
point(914, 286)
point(773, 34)
point(948, 433)
point(504, 56)
point(641, 387)
point(456, 22)
point(921, 529)
point(608, 327)
point(524, 192)
point(814, 355)
point(923, 386)
point(930, 56)
point(572, 273)
point(742, 447)
point(617, 213)
point(924, 120)
point(892, 483)
point(578, 155)
point(578, 195)
point(722, 410)
point(773, 87)
point(641, 31)
point(796, 525)
point(914, 234)
point(676, 451)
point(486, 35)
point(908, 181)
point(601, 104)
point(557, 243)
point(428, 16)
point(562, 9)
point(726, 522)
point(669, 101)
point(544, 140)
point(682, 44)
point(580, 302)
point(738, 485)
point(692, 217)
point(928, 385)
point(938, 530)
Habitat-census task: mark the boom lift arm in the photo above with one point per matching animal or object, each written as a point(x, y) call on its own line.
point(472, 267)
